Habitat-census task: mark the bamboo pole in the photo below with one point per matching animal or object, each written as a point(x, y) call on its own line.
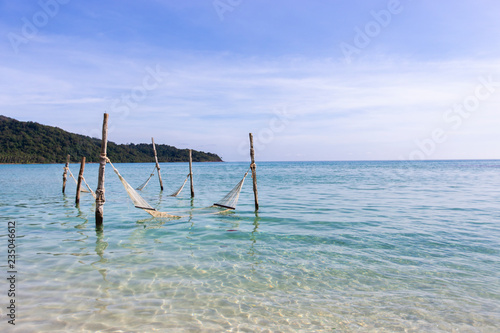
point(191, 172)
point(79, 184)
point(254, 173)
point(157, 164)
point(100, 199)
point(65, 174)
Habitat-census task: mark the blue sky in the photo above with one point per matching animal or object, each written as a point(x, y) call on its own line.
point(313, 80)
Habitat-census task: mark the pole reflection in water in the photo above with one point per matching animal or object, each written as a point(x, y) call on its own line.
point(100, 247)
point(253, 237)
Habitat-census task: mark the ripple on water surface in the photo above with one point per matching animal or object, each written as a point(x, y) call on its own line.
point(336, 246)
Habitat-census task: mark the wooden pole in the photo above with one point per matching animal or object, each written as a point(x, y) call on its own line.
point(157, 164)
point(79, 184)
point(191, 172)
point(65, 174)
point(99, 201)
point(254, 173)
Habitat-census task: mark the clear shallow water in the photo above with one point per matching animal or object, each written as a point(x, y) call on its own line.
point(336, 246)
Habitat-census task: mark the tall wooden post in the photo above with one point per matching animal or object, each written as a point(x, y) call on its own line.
point(79, 184)
point(254, 173)
point(65, 174)
point(191, 171)
point(99, 200)
point(157, 164)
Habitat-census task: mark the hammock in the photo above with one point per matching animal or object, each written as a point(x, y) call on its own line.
point(231, 199)
point(138, 201)
point(228, 202)
point(176, 193)
point(147, 180)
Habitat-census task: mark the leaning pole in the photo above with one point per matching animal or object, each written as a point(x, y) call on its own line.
point(254, 173)
point(65, 173)
point(191, 172)
point(99, 200)
point(80, 178)
point(157, 164)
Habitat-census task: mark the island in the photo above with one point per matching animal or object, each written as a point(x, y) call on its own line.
point(27, 142)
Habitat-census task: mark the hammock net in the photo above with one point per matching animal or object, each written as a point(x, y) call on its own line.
point(139, 201)
point(143, 185)
point(176, 193)
point(231, 199)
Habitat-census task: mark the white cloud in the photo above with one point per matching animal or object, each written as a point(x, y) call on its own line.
point(217, 98)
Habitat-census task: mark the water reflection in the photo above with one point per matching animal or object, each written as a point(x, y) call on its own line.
point(82, 216)
point(100, 247)
point(190, 233)
point(253, 237)
point(160, 198)
point(253, 234)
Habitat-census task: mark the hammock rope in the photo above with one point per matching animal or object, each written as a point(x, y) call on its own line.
point(90, 190)
point(76, 183)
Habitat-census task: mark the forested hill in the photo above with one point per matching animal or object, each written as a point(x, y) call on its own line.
point(30, 142)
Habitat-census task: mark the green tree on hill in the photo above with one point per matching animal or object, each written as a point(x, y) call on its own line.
point(30, 142)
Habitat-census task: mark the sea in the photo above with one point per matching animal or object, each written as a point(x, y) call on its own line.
point(389, 246)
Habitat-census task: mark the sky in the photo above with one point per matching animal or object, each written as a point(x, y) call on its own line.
point(312, 80)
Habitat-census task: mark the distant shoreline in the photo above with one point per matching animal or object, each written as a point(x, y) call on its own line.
point(76, 162)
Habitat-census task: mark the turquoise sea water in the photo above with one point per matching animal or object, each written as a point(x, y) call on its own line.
point(336, 246)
